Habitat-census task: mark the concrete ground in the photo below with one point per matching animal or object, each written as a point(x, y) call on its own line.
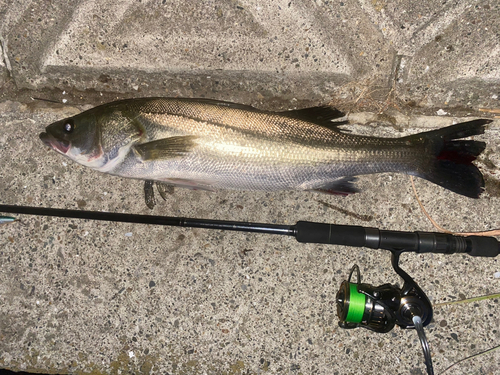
point(93, 297)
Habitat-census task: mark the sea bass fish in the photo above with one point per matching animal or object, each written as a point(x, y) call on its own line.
point(208, 144)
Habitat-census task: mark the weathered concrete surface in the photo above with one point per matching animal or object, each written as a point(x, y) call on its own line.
point(80, 297)
point(429, 55)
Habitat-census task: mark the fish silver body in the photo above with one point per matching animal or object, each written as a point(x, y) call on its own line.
point(207, 144)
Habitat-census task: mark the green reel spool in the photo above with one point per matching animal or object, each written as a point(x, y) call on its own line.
point(356, 306)
point(363, 305)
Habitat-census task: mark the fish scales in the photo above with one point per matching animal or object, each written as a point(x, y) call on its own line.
point(208, 144)
point(263, 146)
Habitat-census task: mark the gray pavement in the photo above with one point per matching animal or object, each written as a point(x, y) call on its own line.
point(93, 297)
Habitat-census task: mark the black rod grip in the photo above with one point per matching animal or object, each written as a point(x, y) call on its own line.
point(479, 246)
point(419, 242)
point(348, 235)
point(422, 242)
point(438, 243)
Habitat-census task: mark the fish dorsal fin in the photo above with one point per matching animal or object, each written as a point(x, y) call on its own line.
point(322, 116)
point(222, 103)
point(166, 148)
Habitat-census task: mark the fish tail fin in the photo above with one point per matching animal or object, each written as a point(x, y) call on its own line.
point(450, 158)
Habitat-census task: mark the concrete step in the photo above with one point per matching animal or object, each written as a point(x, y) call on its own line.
point(430, 54)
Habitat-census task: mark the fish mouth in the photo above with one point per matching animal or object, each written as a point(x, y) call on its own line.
point(54, 143)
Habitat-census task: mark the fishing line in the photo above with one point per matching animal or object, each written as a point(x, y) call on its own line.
point(48, 100)
point(417, 321)
point(377, 308)
point(356, 305)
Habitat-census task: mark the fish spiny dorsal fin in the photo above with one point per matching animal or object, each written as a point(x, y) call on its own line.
point(166, 148)
point(322, 116)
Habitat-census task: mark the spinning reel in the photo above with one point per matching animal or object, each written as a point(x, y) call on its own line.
point(380, 308)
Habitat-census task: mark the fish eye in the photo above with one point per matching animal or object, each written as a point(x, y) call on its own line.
point(69, 126)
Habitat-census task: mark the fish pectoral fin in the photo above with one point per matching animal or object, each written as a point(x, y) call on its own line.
point(166, 148)
point(322, 116)
point(342, 186)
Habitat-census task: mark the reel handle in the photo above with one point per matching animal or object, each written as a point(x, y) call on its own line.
point(419, 242)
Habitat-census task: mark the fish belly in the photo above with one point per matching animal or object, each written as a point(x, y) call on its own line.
point(268, 168)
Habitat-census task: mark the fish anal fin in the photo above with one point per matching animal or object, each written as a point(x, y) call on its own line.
point(342, 186)
point(166, 148)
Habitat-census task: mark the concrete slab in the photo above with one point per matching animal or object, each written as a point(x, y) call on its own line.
point(459, 65)
point(285, 43)
point(80, 296)
point(429, 55)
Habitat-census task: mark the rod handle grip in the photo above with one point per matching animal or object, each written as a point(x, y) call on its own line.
point(348, 235)
point(419, 242)
point(482, 246)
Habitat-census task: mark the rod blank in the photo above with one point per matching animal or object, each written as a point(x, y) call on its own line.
point(151, 219)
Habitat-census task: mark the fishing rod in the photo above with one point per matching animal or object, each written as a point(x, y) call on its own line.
point(358, 304)
point(303, 231)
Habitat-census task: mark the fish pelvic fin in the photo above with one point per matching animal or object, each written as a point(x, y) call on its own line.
point(149, 194)
point(164, 189)
point(166, 148)
point(450, 162)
